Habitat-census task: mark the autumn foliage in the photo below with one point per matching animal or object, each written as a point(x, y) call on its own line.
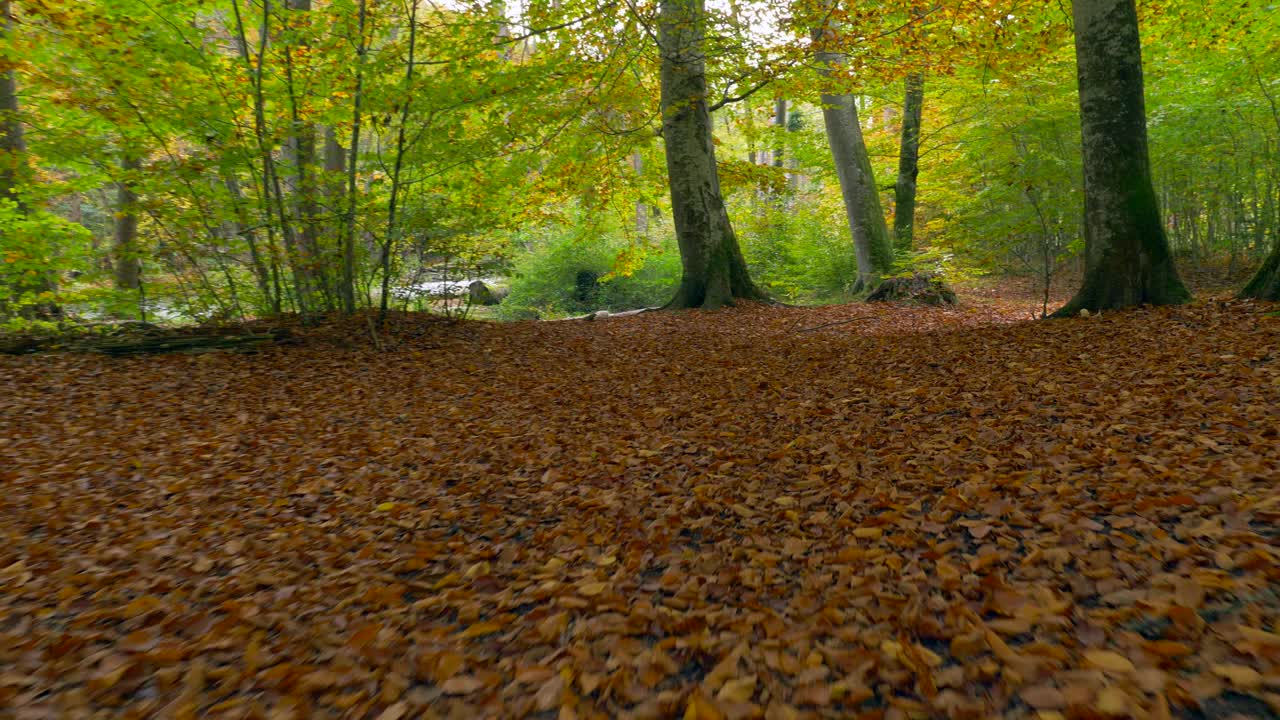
point(764, 512)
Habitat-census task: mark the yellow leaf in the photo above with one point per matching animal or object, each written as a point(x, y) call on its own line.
point(738, 690)
point(447, 665)
point(462, 685)
point(1107, 660)
point(1262, 637)
point(386, 507)
point(1241, 676)
point(1112, 701)
point(868, 533)
point(481, 628)
point(699, 708)
point(395, 712)
point(592, 589)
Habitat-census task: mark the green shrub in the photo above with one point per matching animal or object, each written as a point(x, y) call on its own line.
point(801, 253)
point(568, 270)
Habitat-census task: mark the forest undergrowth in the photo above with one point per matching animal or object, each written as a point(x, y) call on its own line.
point(849, 511)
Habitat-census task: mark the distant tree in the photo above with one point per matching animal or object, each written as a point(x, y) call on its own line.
point(12, 146)
point(126, 261)
point(904, 196)
point(1127, 257)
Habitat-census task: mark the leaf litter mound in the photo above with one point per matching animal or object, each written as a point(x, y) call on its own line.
point(906, 512)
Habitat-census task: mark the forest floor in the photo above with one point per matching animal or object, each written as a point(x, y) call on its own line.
point(908, 512)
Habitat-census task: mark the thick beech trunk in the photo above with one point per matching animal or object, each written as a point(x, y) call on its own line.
point(904, 190)
point(1129, 262)
point(128, 265)
point(714, 272)
point(871, 243)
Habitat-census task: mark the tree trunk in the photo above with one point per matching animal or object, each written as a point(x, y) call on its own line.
point(780, 122)
point(128, 266)
point(347, 288)
point(406, 101)
point(871, 243)
point(1123, 231)
point(904, 190)
point(714, 272)
point(1265, 284)
point(334, 183)
point(12, 144)
point(14, 174)
point(642, 211)
point(300, 151)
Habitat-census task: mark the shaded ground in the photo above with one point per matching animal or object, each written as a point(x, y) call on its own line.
point(907, 513)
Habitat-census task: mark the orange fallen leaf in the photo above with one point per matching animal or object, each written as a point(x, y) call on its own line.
point(1108, 660)
point(462, 685)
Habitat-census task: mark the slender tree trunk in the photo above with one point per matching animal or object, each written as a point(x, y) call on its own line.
point(241, 227)
point(393, 229)
point(347, 291)
point(300, 151)
point(271, 197)
point(871, 243)
point(714, 272)
point(1122, 219)
point(128, 265)
point(780, 122)
point(642, 211)
point(334, 184)
point(904, 190)
point(12, 143)
point(15, 173)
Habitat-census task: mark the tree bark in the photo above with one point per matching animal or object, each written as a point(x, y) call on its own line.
point(14, 173)
point(904, 190)
point(1265, 284)
point(871, 243)
point(642, 211)
point(12, 143)
point(1130, 262)
point(714, 272)
point(780, 122)
point(347, 288)
point(128, 265)
point(300, 153)
point(393, 229)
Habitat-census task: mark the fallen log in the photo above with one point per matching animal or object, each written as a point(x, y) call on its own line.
point(183, 344)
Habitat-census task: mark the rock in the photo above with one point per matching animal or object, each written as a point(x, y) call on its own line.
point(481, 293)
point(923, 288)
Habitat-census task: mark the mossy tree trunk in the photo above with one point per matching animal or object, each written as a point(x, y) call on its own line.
point(1129, 262)
point(714, 272)
point(1265, 285)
